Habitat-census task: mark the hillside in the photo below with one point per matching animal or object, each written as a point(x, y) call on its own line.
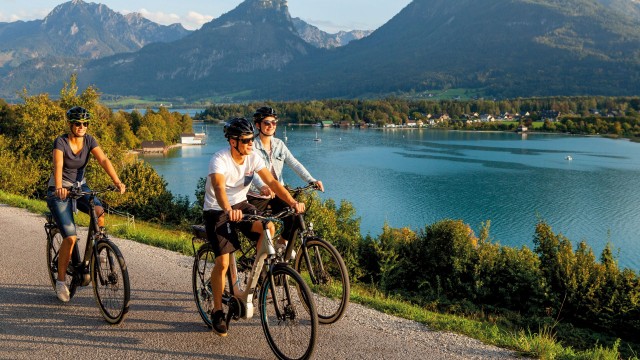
point(79, 29)
point(504, 48)
point(227, 55)
point(493, 48)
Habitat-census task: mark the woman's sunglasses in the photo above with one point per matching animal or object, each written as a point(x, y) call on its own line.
point(80, 123)
point(270, 122)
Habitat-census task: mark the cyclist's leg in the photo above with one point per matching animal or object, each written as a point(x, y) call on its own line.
point(254, 231)
point(83, 205)
point(223, 238)
point(218, 274)
point(278, 205)
point(63, 215)
point(259, 203)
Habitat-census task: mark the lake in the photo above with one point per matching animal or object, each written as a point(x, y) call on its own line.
point(416, 177)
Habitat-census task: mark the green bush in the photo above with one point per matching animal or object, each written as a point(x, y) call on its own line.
point(509, 278)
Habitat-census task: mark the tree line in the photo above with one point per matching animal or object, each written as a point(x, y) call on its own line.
point(619, 116)
point(28, 129)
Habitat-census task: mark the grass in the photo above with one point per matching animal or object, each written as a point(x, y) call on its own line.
point(536, 125)
point(492, 330)
point(142, 232)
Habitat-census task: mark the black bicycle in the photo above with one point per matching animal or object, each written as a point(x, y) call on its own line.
point(320, 264)
point(286, 307)
point(102, 265)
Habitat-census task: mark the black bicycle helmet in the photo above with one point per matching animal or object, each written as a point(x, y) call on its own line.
point(78, 113)
point(264, 112)
point(237, 127)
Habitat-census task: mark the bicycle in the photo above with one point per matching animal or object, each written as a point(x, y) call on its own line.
point(320, 264)
point(287, 311)
point(102, 265)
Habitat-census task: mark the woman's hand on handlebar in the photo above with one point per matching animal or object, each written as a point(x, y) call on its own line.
point(120, 187)
point(318, 185)
point(62, 193)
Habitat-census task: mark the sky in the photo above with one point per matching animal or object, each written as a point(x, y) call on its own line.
point(328, 15)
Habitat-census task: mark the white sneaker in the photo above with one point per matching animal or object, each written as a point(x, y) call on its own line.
point(62, 291)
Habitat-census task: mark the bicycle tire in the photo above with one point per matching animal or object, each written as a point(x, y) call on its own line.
point(327, 277)
point(54, 241)
point(201, 282)
point(291, 336)
point(110, 279)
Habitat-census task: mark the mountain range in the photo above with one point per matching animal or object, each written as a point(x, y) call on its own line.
point(500, 48)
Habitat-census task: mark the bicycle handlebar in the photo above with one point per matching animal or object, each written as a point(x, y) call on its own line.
point(309, 186)
point(277, 217)
point(77, 192)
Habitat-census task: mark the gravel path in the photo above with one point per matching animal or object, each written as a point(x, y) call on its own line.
point(163, 323)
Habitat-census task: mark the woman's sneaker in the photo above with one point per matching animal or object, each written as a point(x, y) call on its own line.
point(62, 291)
point(219, 323)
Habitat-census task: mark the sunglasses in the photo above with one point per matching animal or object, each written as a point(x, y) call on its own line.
point(270, 122)
point(80, 123)
point(245, 141)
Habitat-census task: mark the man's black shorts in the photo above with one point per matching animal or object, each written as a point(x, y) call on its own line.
point(222, 233)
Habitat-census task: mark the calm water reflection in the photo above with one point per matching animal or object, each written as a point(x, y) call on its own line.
point(416, 177)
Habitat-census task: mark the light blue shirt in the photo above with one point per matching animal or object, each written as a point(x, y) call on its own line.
point(275, 161)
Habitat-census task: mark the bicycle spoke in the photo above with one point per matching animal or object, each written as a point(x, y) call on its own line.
point(201, 282)
point(288, 318)
point(111, 282)
point(326, 274)
point(53, 249)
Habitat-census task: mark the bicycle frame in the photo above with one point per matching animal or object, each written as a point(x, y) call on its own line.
point(80, 265)
point(303, 232)
point(264, 260)
point(265, 253)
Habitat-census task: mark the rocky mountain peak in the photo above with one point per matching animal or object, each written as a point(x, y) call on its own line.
point(256, 12)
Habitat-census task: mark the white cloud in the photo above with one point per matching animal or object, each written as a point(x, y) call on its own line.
point(195, 20)
point(192, 21)
point(25, 15)
point(332, 27)
point(160, 17)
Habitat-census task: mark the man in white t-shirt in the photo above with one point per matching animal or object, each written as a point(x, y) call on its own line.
point(231, 171)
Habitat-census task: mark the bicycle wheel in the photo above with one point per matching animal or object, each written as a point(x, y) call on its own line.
point(110, 280)
point(201, 281)
point(327, 277)
point(288, 314)
point(53, 248)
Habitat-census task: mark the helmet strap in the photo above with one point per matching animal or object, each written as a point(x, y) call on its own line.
point(262, 132)
point(237, 147)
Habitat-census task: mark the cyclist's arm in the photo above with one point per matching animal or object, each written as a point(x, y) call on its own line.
point(280, 190)
point(58, 164)
point(261, 186)
point(296, 166)
point(103, 160)
point(299, 169)
point(218, 183)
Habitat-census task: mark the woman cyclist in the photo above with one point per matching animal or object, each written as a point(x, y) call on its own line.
point(70, 157)
point(275, 154)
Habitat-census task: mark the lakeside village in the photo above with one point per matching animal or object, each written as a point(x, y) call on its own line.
point(524, 121)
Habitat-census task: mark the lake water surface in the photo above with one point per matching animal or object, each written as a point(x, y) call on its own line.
point(417, 177)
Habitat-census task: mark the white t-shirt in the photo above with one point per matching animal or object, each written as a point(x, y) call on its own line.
point(237, 177)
